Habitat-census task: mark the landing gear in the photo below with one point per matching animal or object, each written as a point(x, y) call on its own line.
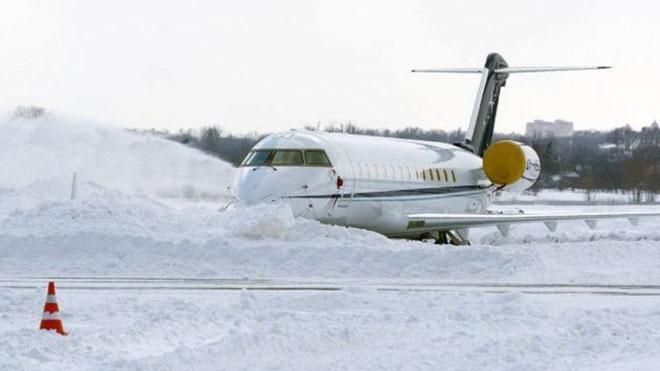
point(456, 237)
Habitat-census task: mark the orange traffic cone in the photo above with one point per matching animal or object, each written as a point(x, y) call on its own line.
point(51, 318)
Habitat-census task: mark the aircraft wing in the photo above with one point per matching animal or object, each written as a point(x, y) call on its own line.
point(435, 222)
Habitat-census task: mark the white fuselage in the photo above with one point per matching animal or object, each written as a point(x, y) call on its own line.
point(372, 182)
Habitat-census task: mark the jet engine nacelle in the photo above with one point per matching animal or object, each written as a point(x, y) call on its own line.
point(512, 165)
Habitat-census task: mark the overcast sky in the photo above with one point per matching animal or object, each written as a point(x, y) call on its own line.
point(273, 65)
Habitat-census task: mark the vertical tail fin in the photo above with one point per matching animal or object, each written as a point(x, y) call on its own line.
point(493, 78)
point(482, 122)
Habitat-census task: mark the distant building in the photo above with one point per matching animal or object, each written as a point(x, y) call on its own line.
point(29, 112)
point(544, 129)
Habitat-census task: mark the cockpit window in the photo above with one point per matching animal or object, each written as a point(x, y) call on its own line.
point(257, 158)
point(316, 158)
point(287, 157)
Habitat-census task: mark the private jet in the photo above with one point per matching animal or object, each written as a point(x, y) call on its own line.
point(406, 188)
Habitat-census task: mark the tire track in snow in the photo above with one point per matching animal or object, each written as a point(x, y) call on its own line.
point(228, 284)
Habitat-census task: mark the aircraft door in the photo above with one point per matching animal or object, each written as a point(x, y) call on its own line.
point(345, 181)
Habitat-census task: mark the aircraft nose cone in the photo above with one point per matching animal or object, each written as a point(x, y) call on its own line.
point(249, 187)
point(248, 195)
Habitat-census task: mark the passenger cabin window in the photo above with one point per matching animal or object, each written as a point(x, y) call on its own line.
point(286, 157)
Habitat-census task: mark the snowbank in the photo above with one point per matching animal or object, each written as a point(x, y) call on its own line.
point(52, 147)
point(109, 232)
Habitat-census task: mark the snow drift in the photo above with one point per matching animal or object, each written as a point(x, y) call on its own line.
point(51, 148)
point(109, 232)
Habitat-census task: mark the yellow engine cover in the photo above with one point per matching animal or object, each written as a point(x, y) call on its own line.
point(511, 164)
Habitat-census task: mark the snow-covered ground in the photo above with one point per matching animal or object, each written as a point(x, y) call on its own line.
point(348, 329)
point(153, 209)
point(557, 197)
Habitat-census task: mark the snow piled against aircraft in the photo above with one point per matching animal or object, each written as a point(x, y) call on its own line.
point(109, 232)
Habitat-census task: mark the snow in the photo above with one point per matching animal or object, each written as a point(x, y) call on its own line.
point(209, 330)
point(570, 197)
point(106, 232)
point(151, 208)
point(52, 147)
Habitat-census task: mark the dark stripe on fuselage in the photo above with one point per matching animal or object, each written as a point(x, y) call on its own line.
point(400, 192)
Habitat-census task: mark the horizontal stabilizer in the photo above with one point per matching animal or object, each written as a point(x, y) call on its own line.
point(548, 69)
point(513, 69)
point(452, 70)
